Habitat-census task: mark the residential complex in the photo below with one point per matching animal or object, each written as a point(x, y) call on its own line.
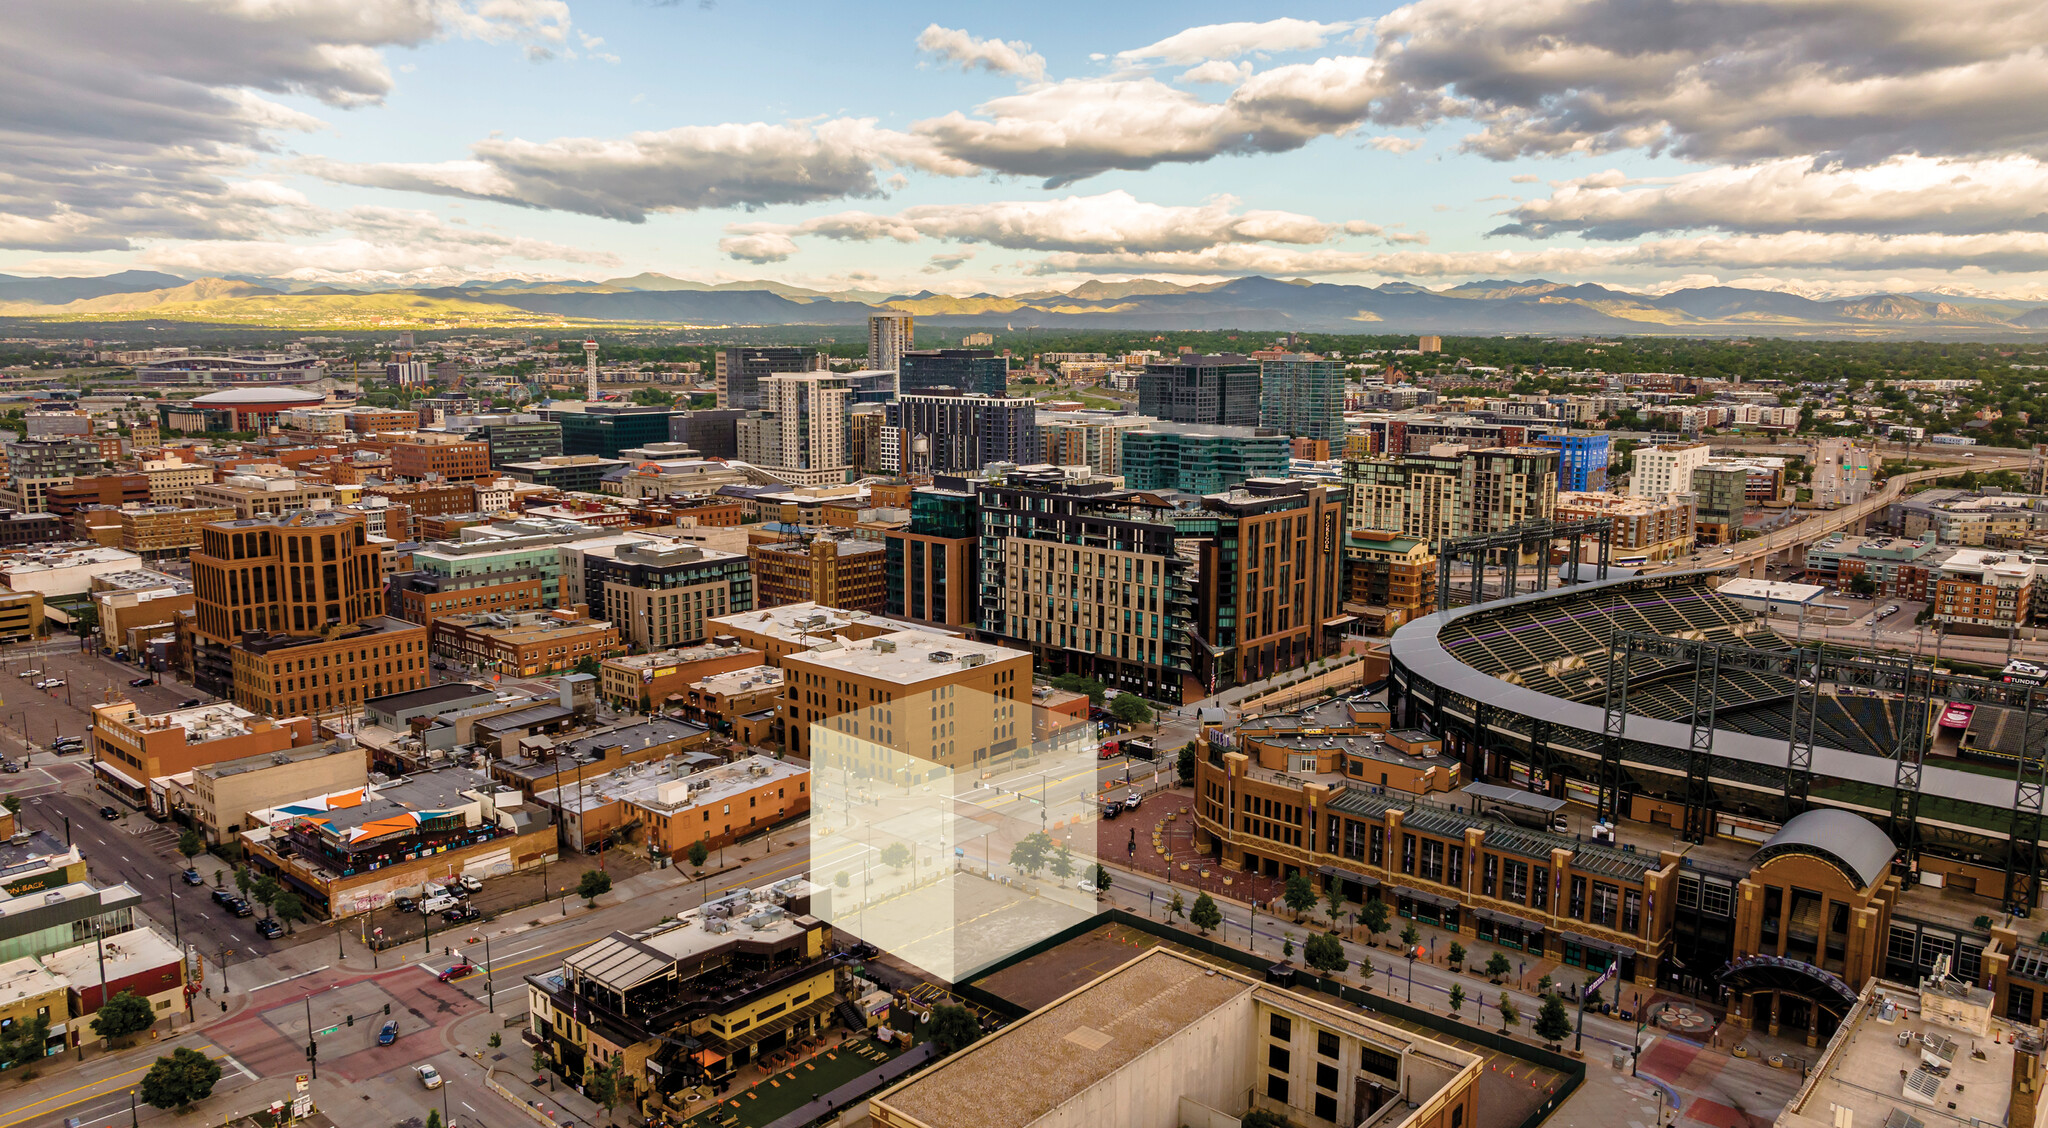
point(663, 595)
point(835, 571)
point(1199, 459)
point(799, 435)
point(978, 371)
point(890, 335)
point(1660, 470)
point(944, 433)
point(1301, 395)
point(1652, 529)
point(739, 371)
point(1221, 389)
point(930, 570)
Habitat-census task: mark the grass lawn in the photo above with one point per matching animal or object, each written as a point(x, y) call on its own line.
point(785, 1091)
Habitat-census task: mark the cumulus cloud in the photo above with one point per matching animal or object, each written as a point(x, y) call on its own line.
point(129, 121)
point(690, 167)
point(759, 247)
point(1905, 195)
point(1110, 223)
point(1217, 71)
point(994, 55)
point(1229, 40)
point(940, 264)
point(1392, 144)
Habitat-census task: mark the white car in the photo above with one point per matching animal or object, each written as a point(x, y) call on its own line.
point(430, 1077)
point(470, 882)
point(29, 674)
point(51, 683)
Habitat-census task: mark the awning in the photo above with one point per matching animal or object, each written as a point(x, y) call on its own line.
point(1595, 943)
point(707, 1058)
point(1340, 620)
point(1429, 899)
point(747, 1038)
point(117, 773)
point(1348, 875)
point(1509, 920)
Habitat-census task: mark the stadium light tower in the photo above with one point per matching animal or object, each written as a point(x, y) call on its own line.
point(590, 370)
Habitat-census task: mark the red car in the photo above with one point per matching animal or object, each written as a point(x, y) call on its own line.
point(457, 971)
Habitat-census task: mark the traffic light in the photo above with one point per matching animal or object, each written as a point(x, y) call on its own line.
point(387, 1009)
point(351, 1020)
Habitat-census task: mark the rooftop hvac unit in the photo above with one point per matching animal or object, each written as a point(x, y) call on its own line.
point(972, 660)
point(886, 645)
point(941, 656)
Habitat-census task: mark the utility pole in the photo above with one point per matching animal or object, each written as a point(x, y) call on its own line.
point(312, 1047)
point(490, 986)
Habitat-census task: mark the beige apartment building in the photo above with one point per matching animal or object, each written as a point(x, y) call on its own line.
point(166, 532)
point(252, 496)
point(953, 701)
point(172, 480)
point(1659, 528)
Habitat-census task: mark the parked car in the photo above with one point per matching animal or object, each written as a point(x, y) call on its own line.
point(29, 674)
point(1131, 801)
point(389, 1034)
point(439, 904)
point(270, 929)
point(430, 1077)
point(109, 813)
point(188, 703)
point(141, 681)
point(457, 971)
point(52, 683)
point(405, 904)
point(1112, 810)
point(68, 742)
point(223, 896)
point(241, 907)
point(9, 766)
point(192, 876)
point(460, 913)
point(471, 882)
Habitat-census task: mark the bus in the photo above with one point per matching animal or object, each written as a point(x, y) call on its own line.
point(1957, 715)
point(2025, 673)
point(1629, 561)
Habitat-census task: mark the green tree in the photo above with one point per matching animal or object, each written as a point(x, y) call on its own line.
point(1299, 894)
point(1131, 709)
point(1365, 969)
point(1457, 998)
point(1287, 945)
point(842, 879)
point(1264, 1118)
point(1186, 764)
point(593, 883)
point(586, 665)
point(190, 844)
point(1176, 907)
point(1325, 953)
point(1552, 1023)
point(896, 855)
point(1031, 851)
point(244, 880)
point(1102, 879)
point(179, 1080)
point(1410, 937)
point(1543, 985)
point(1509, 1016)
point(23, 1042)
point(697, 853)
point(433, 1118)
point(125, 1014)
point(954, 1028)
point(1075, 683)
point(263, 889)
point(1457, 954)
point(12, 803)
point(1333, 900)
point(1374, 917)
point(1205, 915)
point(1063, 862)
point(288, 908)
point(1497, 966)
point(602, 1085)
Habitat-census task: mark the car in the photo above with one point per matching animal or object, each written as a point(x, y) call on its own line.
point(405, 904)
point(192, 877)
point(109, 813)
point(1727, 552)
point(9, 766)
point(188, 703)
point(439, 904)
point(223, 896)
point(53, 683)
point(460, 913)
point(241, 907)
point(471, 882)
point(430, 1077)
point(1112, 810)
point(139, 682)
point(68, 742)
point(29, 674)
point(457, 971)
point(269, 928)
point(1131, 801)
point(388, 1034)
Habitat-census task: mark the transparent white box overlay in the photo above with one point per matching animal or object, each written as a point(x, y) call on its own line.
point(915, 849)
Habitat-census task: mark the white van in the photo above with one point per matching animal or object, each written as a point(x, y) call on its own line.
point(438, 904)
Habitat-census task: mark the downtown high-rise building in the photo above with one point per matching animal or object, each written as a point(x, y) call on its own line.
point(946, 432)
point(1217, 389)
point(799, 435)
point(741, 370)
point(964, 370)
point(890, 335)
point(1301, 395)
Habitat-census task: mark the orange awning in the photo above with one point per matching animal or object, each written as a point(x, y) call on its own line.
point(707, 1058)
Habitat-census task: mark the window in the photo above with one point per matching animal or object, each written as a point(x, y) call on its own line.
point(1326, 1044)
point(1539, 893)
point(1374, 1060)
point(1407, 853)
point(1514, 883)
point(1326, 1078)
point(1578, 901)
point(1326, 1107)
point(1279, 1057)
point(1276, 1087)
point(1488, 871)
point(1281, 1027)
point(1631, 911)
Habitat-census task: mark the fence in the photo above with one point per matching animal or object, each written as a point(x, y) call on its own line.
point(534, 1114)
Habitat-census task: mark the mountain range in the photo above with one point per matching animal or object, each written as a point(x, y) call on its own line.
point(1256, 303)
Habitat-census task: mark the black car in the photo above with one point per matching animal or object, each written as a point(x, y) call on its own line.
point(223, 896)
point(9, 766)
point(192, 877)
point(188, 703)
point(270, 929)
point(141, 681)
point(460, 913)
point(240, 907)
point(404, 904)
point(109, 813)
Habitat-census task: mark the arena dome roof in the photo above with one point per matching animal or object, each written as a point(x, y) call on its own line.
point(255, 397)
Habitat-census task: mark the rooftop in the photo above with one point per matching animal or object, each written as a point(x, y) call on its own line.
point(622, 960)
point(267, 760)
point(524, 628)
point(738, 681)
point(1865, 1072)
point(679, 657)
point(812, 622)
point(201, 723)
point(141, 579)
point(671, 785)
point(428, 696)
point(133, 952)
point(906, 657)
point(25, 979)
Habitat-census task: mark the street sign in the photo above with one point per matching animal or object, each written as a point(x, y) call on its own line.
point(302, 1083)
point(1600, 981)
point(302, 1107)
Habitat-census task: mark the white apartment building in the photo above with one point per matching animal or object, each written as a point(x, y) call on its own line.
point(1660, 470)
point(889, 337)
point(799, 436)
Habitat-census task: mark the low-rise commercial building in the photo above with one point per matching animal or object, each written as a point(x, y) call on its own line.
point(223, 793)
point(140, 960)
point(655, 681)
point(134, 606)
point(670, 811)
point(425, 456)
point(131, 748)
point(544, 764)
point(165, 532)
point(29, 994)
point(740, 703)
point(51, 918)
point(332, 672)
point(835, 571)
point(525, 643)
point(251, 495)
point(575, 473)
point(60, 571)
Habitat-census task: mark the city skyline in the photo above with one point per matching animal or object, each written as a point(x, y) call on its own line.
point(1827, 150)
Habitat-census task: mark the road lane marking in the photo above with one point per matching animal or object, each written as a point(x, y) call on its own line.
point(27, 1114)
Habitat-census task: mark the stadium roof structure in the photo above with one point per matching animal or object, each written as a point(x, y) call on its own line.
point(1852, 845)
point(1419, 648)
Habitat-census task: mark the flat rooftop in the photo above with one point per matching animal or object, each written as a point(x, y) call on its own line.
point(201, 722)
point(737, 681)
point(268, 760)
point(1862, 1070)
point(905, 657)
point(678, 657)
point(429, 696)
point(133, 952)
point(1028, 1069)
point(674, 784)
point(812, 622)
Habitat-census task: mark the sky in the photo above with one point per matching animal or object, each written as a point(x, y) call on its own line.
point(1827, 147)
